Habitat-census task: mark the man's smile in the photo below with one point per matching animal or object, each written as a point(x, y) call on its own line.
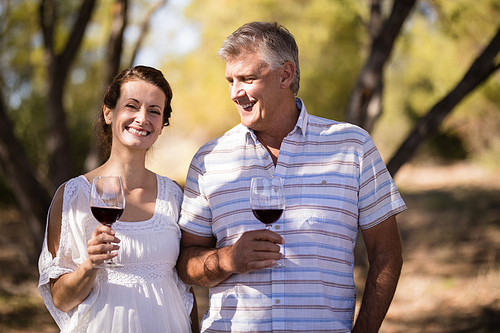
point(247, 105)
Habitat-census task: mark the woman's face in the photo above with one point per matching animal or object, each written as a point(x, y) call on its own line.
point(137, 119)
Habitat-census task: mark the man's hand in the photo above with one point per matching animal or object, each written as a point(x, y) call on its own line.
point(200, 263)
point(256, 249)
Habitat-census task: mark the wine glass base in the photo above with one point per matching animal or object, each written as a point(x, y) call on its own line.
point(279, 264)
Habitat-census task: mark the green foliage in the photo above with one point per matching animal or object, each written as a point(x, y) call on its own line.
point(428, 60)
point(21, 61)
point(24, 69)
point(332, 43)
point(448, 146)
point(332, 40)
point(439, 43)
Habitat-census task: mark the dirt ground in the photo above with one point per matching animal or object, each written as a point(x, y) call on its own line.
point(450, 280)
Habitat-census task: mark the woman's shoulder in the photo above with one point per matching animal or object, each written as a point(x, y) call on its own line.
point(69, 188)
point(166, 181)
point(73, 186)
point(170, 186)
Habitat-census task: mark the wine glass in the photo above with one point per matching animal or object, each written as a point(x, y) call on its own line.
point(107, 202)
point(267, 201)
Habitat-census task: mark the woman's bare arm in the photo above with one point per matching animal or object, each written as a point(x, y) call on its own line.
point(71, 289)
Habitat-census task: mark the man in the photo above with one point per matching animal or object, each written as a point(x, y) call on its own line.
point(335, 182)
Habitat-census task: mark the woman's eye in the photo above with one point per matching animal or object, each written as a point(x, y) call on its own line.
point(131, 106)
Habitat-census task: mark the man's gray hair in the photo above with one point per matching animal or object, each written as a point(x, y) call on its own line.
point(272, 41)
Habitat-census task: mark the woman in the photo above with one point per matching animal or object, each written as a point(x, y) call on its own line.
point(145, 295)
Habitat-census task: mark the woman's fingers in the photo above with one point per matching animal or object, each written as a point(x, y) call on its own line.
point(102, 245)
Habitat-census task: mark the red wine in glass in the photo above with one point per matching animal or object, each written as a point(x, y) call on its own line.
point(106, 215)
point(267, 216)
point(268, 202)
point(107, 202)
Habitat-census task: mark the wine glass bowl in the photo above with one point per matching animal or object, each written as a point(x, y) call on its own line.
point(107, 202)
point(268, 202)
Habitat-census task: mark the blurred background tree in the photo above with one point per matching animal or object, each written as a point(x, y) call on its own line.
point(51, 78)
point(434, 43)
point(433, 49)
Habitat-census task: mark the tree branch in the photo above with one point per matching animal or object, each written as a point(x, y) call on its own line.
point(58, 65)
point(376, 20)
point(145, 28)
point(115, 43)
point(76, 36)
point(428, 125)
point(47, 18)
point(365, 104)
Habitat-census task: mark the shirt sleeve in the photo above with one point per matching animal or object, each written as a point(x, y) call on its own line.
point(71, 253)
point(196, 215)
point(378, 196)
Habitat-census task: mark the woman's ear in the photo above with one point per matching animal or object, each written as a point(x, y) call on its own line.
point(287, 74)
point(107, 112)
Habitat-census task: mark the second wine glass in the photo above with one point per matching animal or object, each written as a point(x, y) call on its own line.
point(107, 202)
point(268, 202)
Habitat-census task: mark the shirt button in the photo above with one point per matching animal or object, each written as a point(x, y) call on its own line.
point(277, 301)
point(266, 157)
point(277, 227)
point(323, 182)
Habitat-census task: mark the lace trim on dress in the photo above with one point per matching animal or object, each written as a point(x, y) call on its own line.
point(169, 197)
point(166, 213)
point(137, 273)
point(62, 263)
point(64, 256)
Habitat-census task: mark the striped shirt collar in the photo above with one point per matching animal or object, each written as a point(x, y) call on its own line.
point(299, 127)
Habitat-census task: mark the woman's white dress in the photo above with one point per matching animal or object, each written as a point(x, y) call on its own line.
point(146, 294)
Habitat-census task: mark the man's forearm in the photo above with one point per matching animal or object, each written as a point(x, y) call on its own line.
point(379, 290)
point(201, 266)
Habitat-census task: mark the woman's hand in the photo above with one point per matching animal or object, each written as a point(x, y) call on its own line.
point(101, 245)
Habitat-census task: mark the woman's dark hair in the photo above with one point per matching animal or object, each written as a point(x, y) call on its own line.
point(144, 73)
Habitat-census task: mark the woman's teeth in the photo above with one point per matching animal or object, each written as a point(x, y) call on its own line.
point(134, 131)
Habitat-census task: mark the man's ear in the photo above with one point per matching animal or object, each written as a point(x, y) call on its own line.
point(107, 114)
point(287, 75)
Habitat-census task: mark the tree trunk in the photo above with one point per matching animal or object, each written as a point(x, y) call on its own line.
point(115, 43)
point(113, 61)
point(144, 28)
point(365, 104)
point(58, 141)
point(33, 200)
point(427, 126)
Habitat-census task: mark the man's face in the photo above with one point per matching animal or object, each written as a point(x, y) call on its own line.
point(255, 90)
